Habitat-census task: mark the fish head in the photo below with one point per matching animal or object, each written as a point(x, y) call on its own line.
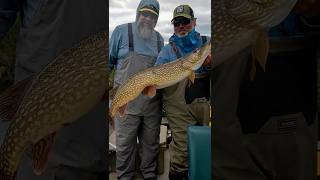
point(198, 56)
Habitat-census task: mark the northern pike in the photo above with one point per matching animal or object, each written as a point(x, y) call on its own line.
point(158, 77)
point(238, 24)
point(67, 88)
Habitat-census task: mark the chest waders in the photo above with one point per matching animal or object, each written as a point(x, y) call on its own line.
point(142, 119)
point(185, 104)
point(132, 64)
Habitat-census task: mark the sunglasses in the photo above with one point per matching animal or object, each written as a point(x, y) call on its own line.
point(182, 21)
point(148, 14)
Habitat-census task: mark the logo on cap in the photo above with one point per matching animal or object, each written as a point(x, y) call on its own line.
point(179, 9)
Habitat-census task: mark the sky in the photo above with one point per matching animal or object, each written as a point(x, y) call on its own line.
point(124, 11)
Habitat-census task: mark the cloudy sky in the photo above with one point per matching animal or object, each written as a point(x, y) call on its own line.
point(124, 11)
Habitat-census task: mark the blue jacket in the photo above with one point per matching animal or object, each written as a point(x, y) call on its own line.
point(119, 41)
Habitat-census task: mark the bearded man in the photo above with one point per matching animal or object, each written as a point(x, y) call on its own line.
point(132, 48)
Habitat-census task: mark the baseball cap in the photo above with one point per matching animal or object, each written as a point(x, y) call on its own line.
point(183, 11)
point(151, 9)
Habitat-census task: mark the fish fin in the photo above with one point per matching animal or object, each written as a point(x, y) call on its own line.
point(41, 151)
point(192, 76)
point(112, 93)
point(4, 176)
point(122, 110)
point(11, 98)
point(261, 48)
point(260, 52)
point(150, 91)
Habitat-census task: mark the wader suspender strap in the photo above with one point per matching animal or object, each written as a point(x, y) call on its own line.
point(158, 42)
point(130, 37)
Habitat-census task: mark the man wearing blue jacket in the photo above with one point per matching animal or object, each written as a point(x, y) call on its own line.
point(184, 103)
point(132, 48)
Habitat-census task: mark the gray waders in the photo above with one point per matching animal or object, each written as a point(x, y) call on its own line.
point(142, 119)
point(180, 114)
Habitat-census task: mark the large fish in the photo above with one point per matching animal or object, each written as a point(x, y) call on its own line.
point(63, 91)
point(238, 24)
point(158, 77)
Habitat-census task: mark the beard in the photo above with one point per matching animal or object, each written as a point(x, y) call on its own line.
point(181, 35)
point(145, 30)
